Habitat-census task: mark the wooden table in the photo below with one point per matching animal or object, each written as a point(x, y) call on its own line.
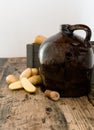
point(20, 110)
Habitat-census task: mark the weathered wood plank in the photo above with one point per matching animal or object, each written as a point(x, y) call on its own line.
point(25, 111)
point(20, 110)
point(78, 112)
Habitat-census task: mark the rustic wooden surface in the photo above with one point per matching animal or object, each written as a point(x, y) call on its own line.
point(20, 110)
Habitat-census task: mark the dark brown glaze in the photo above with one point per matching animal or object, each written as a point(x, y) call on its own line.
point(66, 62)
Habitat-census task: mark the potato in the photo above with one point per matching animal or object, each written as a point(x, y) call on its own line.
point(29, 87)
point(11, 78)
point(15, 85)
point(39, 39)
point(35, 79)
point(35, 71)
point(26, 73)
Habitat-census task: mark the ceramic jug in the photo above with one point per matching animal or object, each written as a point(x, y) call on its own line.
point(66, 61)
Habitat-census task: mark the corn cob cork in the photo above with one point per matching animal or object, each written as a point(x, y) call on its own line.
point(52, 95)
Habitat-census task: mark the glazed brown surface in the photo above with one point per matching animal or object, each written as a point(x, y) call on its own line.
point(66, 62)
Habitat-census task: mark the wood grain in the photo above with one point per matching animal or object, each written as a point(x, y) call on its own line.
point(20, 110)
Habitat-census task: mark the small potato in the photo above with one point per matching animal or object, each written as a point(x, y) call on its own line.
point(35, 79)
point(35, 71)
point(11, 78)
point(53, 95)
point(29, 87)
point(39, 39)
point(15, 85)
point(26, 73)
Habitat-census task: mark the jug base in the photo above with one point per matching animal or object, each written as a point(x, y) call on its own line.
point(74, 91)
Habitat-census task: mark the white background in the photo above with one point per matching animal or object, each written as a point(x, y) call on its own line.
point(22, 20)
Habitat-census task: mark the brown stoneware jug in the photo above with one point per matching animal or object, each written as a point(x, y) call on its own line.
point(66, 61)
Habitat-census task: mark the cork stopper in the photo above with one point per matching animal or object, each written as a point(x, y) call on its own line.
point(52, 95)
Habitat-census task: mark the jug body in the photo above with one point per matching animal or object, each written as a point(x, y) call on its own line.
point(66, 62)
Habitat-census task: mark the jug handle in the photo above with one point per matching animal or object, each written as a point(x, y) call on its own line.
point(68, 29)
point(82, 27)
